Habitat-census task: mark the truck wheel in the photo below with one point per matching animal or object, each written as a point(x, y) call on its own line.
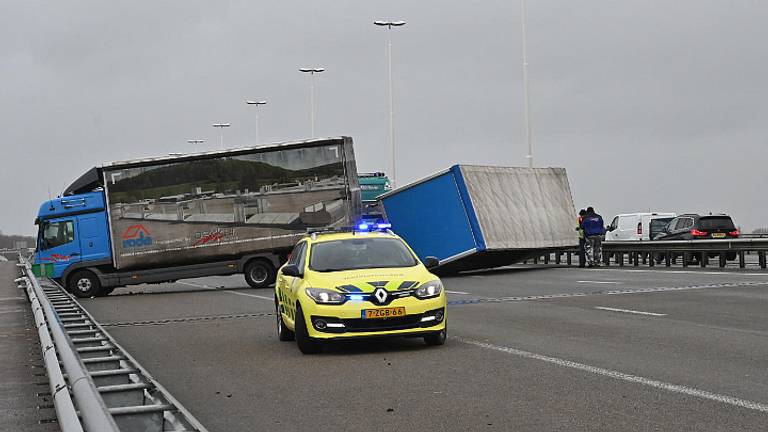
point(436, 338)
point(306, 343)
point(84, 284)
point(259, 273)
point(283, 333)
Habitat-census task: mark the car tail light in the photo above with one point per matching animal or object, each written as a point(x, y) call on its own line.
point(697, 233)
point(640, 228)
point(734, 233)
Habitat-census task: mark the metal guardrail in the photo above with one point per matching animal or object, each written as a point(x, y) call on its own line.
point(112, 392)
point(62, 399)
point(668, 251)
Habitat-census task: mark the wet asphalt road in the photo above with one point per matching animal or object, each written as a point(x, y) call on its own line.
point(529, 349)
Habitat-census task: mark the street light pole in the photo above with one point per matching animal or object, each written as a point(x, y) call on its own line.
point(523, 17)
point(195, 141)
point(389, 25)
point(221, 127)
point(312, 71)
point(256, 105)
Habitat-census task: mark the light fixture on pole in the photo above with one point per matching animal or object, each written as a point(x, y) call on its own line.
point(523, 17)
point(195, 141)
point(221, 127)
point(256, 105)
point(389, 25)
point(312, 71)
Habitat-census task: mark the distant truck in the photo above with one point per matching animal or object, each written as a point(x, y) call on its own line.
point(373, 185)
point(215, 213)
point(474, 217)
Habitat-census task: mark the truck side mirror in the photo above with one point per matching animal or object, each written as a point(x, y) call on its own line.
point(431, 262)
point(291, 270)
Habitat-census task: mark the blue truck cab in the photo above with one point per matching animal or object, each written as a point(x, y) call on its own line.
point(73, 233)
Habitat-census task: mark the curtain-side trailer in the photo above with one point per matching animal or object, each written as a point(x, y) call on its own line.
point(215, 213)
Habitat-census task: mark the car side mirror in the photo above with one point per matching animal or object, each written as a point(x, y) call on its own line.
point(431, 262)
point(291, 270)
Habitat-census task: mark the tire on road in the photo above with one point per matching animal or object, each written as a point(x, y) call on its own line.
point(436, 338)
point(259, 273)
point(283, 333)
point(306, 343)
point(83, 284)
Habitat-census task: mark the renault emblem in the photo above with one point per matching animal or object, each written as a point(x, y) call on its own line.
point(380, 294)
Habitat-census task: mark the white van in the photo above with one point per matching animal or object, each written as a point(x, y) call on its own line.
point(635, 226)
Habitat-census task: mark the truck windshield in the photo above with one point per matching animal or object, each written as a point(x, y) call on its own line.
point(360, 253)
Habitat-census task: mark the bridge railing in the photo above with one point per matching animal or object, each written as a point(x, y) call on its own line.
point(669, 252)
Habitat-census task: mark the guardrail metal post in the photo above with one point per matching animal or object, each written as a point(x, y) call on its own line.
point(668, 258)
point(568, 259)
point(651, 259)
point(761, 259)
point(620, 259)
point(546, 258)
point(704, 259)
point(723, 260)
point(645, 257)
point(635, 259)
point(557, 257)
point(742, 261)
point(607, 259)
point(686, 259)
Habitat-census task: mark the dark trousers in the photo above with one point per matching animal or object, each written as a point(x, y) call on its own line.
point(582, 253)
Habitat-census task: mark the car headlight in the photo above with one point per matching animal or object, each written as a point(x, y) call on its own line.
point(429, 289)
point(326, 296)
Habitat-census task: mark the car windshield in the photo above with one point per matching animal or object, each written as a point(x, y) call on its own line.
point(718, 222)
point(360, 253)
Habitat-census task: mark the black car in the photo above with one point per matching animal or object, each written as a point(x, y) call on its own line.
point(698, 227)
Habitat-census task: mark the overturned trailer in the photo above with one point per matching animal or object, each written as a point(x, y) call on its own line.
point(474, 217)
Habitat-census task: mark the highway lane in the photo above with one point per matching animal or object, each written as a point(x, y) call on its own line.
point(546, 364)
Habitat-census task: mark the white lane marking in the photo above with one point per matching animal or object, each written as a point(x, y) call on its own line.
point(225, 291)
point(249, 295)
point(629, 311)
point(692, 272)
point(675, 388)
point(457, 292)
point(598, 282)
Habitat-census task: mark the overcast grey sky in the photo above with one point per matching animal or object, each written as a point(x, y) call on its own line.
point(647, 104)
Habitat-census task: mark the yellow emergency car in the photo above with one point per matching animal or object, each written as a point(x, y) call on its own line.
point(357, 283)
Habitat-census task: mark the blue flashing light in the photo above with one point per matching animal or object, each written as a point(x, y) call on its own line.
point(378, 226)
point(356, 297)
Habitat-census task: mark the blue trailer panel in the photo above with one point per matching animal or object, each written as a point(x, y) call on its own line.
point(435, 209)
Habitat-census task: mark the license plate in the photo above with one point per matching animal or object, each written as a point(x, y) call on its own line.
point(391, 312)
point(718, 235)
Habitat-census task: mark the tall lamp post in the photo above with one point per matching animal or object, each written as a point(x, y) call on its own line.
point(256, 104)
point(312, 71)
point(389, 25)
point(523, 17)
point(195, 141)
point(221, 127)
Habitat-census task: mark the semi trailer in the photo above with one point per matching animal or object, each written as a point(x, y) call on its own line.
point(223, 212)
